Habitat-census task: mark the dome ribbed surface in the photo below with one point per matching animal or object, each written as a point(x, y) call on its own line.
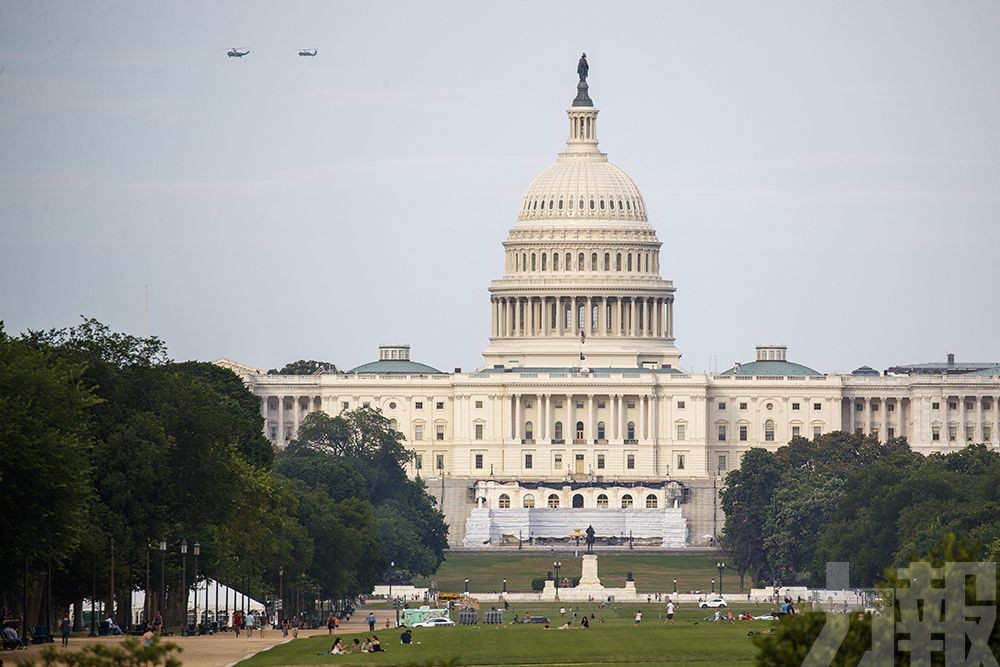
point(604, 191)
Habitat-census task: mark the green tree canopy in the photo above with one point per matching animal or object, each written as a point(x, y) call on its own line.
point(303, 367)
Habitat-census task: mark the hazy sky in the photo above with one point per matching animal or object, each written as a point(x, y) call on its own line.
point(824, 175)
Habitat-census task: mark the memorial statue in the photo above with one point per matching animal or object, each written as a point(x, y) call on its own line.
point(590, 529)
point(582, 68)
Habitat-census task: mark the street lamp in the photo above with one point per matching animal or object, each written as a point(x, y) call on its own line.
point(713, 584)
point(197, 552)
point(392, 564)
point(281, 593)
point(556, 564)
point(466, 584)
point(675, 587)
point(722, 568)
point(184, 553)
point(504, 585)
point(163, 574)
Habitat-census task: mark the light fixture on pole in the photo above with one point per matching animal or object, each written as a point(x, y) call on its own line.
point(392, 564)
point(722, 568)
point(194, 580)
point(557, 565)
point(184, 602)
point(281, 594)
point(163, 574)
point(466, 585)
point(675, 587)
point(504, 585)
point(713, 584)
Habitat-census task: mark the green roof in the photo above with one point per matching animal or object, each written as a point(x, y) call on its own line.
point(987, 372)
point(775, 368)
point(401, 366)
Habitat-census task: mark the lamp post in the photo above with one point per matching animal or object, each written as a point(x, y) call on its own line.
point(504, 585)
point(713, 584)
point(184, 603)
point(466, 585)
point(281, 593)
point(557, 565)
point(197, 552)
point(721, 567)
point(675, 587)
point(163, 574)
point(392, 564)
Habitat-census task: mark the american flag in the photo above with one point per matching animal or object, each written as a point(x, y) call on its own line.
point(583, 336)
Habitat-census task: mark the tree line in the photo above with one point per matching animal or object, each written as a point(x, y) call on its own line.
point(845, 497)
point(107, 446)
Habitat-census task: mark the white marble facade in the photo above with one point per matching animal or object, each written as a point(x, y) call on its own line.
point(582, 382)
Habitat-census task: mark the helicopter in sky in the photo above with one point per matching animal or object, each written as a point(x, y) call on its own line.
point(236, 53)
point(307, 52)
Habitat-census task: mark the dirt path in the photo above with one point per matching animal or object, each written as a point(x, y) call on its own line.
point(214, 650)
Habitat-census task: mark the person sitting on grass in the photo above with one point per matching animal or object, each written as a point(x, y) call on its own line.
point(376, 644)
point(584, 622)
point(338, 647)
point(366, 645)
point(406, 638)
point(357, 646)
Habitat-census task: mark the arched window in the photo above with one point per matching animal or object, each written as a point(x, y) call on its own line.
point(607, 261)
point(552, 204)
point(581, 204)
point(593, 261)
point(620, 207)
point(602, 204)
point(553, 501)
point(529, 430)
point(570, 204)
point(524, 261)
point(560, 204)
point(504, 501)
point(628, 205)
point(769, 430)
point(602, 501)
point(580, 263)
point(579, 430)
point(393, 424)
point(569, 262)
point(529, 501)
point(600, 430)
point(628, 257)
point(557, 431)
point(555, 261)
point(611, 203)
point(577, 501)
point(618, 262)
point(651, 501)
point(517, 262)
point(647, 262)
point(544, 262)
point(580, 312)
point(630, 431)
point(534, 205)
point(533, 262)
point(591, 204)
point(626, 501)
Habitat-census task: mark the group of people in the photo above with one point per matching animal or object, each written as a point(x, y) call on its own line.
point(369, 645)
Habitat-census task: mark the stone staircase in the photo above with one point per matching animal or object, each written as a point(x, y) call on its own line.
point(456, 502)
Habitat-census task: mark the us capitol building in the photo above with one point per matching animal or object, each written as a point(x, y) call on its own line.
point(581, 414)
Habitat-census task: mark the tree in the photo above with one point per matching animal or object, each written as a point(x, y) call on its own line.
point(45, 480)
point(303, 367)
point(796, 516)
point(748, 491)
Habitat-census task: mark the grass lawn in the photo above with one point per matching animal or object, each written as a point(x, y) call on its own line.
point(653, 572)
point(690, 640)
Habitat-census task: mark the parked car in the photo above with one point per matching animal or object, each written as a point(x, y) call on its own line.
point(536, 619)
point(713, 603)
point(434, 622)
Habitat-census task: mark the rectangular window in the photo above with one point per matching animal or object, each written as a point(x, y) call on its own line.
point(344, 405)
point(743, 433)
point(795, 431)
point(743, 406)
point(952, 405)
point(557, 404)
point(680, 405)
point(859, 431)
point(439, 405)
point(987, 433)
point(557, 462)
point(722, 406)
point(935, 406)
point(874, 407)
point(419, 461)
point(681, 431)
point(600, 461)
point(969, 405)
point(722, 462)
point(529, 461)
point(817, 431)
point(795, 406)
point(680, 462)
point(630, 461)
point(418, 432)
point(936, 433)
point(970, 433)
point(890, 407)
point(630, 405)
point(479, 461)
point(527, 404)
point(419, 405)
point(891, 432)
point(579, 405)
point(600, 405)
point(859, 407)
point(439, 432)
point(366, 404)
point(722, 432)
point(439, 461)
point(479, 405)
point(479, 431)
point(817, 406)
point(952, 433)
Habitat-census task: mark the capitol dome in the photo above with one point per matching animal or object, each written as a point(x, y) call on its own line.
point(583, 188)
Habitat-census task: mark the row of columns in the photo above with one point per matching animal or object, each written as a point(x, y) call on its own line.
point(614, 316)
point(616, 428)
point(297, 409)
point(915, 417)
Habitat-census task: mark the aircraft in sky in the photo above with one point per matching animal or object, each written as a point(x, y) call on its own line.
point(307, 52)
point(236, 53)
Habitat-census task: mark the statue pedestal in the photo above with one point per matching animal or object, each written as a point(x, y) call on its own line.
point(549, 591)
point(588, 575)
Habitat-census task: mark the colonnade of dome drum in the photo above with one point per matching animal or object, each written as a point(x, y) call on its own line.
point(605, 316)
